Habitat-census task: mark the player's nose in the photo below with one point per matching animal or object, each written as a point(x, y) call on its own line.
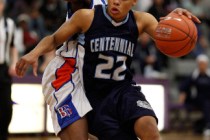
point(116, 2)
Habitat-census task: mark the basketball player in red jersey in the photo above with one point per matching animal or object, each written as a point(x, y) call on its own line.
point(62, 87)
point(144, 23)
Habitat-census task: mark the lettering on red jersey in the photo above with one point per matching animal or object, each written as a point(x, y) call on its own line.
point(65, 111)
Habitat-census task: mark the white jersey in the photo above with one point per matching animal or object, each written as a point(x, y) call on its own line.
point(64, 50)
point(62, 85)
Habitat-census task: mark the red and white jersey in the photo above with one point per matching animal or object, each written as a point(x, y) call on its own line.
point(64, 51)
point(62, 84)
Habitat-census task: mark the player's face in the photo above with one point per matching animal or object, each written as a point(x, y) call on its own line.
point(118, 9)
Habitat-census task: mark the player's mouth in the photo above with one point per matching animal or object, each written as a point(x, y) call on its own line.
point(115, 11)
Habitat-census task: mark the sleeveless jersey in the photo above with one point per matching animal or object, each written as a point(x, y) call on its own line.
point(107, 49)
point(62, 87)
point(66, 50)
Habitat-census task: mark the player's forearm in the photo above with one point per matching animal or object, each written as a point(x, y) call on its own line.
point(46, 45)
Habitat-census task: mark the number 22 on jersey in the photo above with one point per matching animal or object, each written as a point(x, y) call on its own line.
point(110, 63)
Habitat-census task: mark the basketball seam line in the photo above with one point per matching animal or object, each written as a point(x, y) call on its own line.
point(194, 40)
point(191, 39)
point(177, 29)
point(177, 50)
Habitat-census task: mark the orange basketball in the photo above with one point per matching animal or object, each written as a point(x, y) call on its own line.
point(176, 35)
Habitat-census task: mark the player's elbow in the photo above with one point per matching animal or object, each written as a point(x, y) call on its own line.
point(54, 42)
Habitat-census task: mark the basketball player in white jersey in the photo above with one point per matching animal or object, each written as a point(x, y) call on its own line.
point(62, 87)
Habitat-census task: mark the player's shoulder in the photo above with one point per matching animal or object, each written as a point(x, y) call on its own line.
point(83, 18)
point(143, 18)
point(84, 13)
point(139, 15)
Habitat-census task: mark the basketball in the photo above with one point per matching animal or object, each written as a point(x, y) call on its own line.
point(176, 35)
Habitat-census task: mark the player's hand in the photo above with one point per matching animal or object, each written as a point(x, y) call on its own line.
point(23, 64)
point(185, 12)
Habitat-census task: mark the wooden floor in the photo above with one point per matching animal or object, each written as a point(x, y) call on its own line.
point(164, 136)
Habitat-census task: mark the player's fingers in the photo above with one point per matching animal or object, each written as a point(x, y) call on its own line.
point(18, 67)
point(23, 69)
point(179, 11)
point(185, 12)
point(195, 19)
point(191, 16)
point(35, 66)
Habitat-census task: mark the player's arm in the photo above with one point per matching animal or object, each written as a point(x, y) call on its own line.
point(68, 29)
point(145, 23)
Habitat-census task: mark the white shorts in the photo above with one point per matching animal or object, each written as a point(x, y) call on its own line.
point(64, 93)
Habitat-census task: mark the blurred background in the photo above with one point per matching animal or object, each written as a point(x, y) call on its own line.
point(177, 88)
